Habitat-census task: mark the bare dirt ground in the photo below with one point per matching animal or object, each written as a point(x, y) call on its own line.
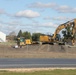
point(38, 51)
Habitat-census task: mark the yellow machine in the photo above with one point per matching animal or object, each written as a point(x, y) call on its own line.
point(74, 31)
point(53, 39)
point(44, 39)
point(22, 41)
point(62, 26)
point(28, 42)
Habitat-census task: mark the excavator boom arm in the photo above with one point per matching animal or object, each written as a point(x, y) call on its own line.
point(62, 26)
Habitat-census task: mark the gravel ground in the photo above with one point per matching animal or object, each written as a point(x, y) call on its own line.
point(38, 51)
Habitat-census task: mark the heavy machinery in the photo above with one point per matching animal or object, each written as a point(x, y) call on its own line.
point(21, 41)
point(56, 37)
point(71, 23)
point(44, 39)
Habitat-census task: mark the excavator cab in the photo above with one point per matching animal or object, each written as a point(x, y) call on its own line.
point(58, 37)
point(59, 40)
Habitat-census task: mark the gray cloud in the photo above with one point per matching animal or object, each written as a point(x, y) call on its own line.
point(47, 24)
point(61, 18)
point(41, 5)
point(56, 7)
point(58, 18)
point(3, 12)
point(7, 27)
point(65, 9)
point(47, 18)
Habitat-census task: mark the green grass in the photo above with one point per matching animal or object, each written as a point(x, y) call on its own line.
point(50, 72)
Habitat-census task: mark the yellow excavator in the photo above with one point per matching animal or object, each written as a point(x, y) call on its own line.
point(55, 38)
point(62, 26)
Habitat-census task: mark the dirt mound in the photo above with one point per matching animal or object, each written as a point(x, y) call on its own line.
point(45, 48)
point(38, 51)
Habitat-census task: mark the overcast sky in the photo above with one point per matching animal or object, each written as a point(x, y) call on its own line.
point(35, 15)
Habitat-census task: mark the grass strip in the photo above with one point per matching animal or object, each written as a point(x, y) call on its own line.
point(49, 72)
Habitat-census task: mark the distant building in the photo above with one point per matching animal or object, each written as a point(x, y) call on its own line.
point(2, 37)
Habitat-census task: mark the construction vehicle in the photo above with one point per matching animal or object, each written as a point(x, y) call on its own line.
point(71, 23)
point(28, 42)
point(21, 41)
point(44, 39)
point(56, 37)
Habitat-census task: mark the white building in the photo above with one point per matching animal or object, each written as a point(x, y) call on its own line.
point(2, 37)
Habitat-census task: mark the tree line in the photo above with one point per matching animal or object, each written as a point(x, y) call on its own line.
point(28, 35)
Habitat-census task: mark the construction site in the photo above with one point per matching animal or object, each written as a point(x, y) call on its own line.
point(47, 47)
point(38, 51)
